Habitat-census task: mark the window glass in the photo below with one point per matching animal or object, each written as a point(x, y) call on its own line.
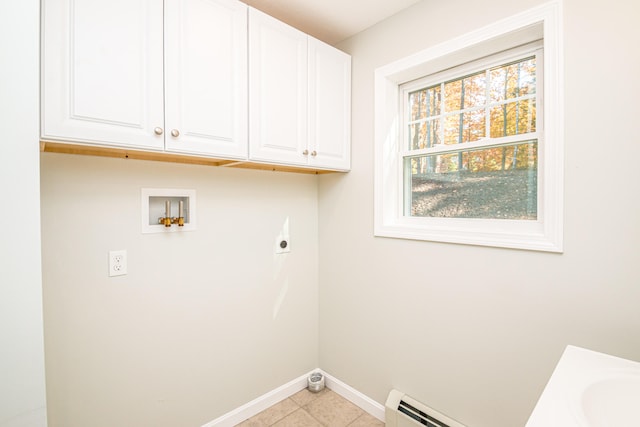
point(513, 118)
point(467, 92)
point(499, 182)
point(513, 80)
point(424, 134)
point(464, 127)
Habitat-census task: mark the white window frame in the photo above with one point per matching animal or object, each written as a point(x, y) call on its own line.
point(530, 50)
point(545, 233)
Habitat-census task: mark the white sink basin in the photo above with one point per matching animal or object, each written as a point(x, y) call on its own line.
point(590, 389)
point(612, 401)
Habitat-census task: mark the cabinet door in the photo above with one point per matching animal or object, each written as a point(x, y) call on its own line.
point(329, 106)
point(277, 91)
point(206, 77)
point(102, 72)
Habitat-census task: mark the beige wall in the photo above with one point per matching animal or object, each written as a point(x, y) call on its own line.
point(208, 320)
point(203, 322)
point(473, 331)
point(22, 389)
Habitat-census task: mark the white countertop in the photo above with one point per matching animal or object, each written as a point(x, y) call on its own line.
point(590, 389)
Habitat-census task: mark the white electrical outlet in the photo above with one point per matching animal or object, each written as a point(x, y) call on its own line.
point(117, 263)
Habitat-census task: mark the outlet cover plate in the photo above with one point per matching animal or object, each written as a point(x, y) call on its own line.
point(117, 263)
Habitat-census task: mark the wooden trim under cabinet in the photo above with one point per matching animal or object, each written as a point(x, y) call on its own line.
point(122, 153)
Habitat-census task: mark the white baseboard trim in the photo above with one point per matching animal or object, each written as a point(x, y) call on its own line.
point(259, 404)
point(362, 401)
point(263, 402)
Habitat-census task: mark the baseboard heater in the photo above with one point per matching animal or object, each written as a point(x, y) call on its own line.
point(403, 411)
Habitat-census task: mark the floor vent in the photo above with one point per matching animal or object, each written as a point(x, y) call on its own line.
point(403, 411)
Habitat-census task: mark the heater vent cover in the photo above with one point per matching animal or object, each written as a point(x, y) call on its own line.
point(403, 411)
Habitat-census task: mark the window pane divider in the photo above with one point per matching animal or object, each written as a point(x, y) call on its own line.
point(474, 145)
point(485, 107)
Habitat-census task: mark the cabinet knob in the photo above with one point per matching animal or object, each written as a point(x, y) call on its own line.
point(314, 153)
point(305, 152)
point(158, 131)
point(175, 133)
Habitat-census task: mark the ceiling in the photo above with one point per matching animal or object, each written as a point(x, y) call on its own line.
point(331, 20)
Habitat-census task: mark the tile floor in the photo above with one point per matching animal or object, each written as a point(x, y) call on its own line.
point(305, 409)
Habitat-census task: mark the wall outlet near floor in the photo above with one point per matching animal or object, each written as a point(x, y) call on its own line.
point(117, 263)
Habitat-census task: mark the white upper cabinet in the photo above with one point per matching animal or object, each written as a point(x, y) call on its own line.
point(299, 91)
point(329, 106)
point(102, 72)
point(206, 77)
point(210, 78)
point(108, 80)
point(277, 90)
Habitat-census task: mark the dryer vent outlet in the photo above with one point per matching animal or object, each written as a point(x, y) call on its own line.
point(315, 382)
